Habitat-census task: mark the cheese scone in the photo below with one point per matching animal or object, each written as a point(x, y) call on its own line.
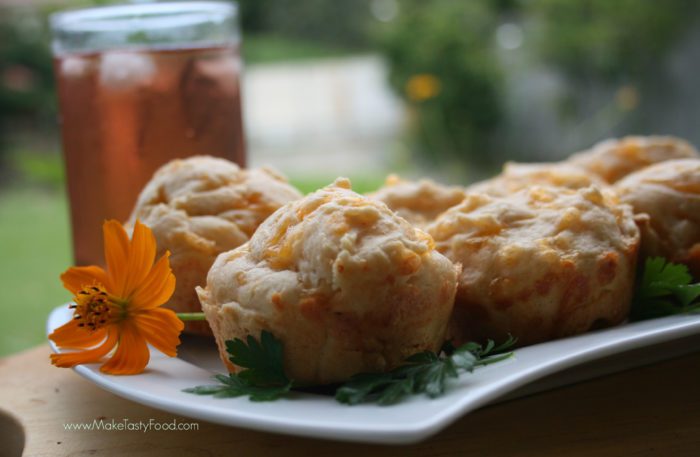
point(614, 159)
point(341, 280)
point(666, 200)
point(542, 263)
point(518, 176)
point(419, 202)
point(200, 207)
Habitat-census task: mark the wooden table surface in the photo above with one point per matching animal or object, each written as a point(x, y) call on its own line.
point(653, 410)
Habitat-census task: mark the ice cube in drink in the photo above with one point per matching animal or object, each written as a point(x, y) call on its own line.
point(124, 113)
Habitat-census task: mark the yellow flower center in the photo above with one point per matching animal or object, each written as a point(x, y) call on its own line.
point(94, 308)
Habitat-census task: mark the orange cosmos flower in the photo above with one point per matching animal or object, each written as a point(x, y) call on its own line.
point(119, 307)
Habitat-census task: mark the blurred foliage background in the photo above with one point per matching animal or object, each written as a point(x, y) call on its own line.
point(480, 82)
point(442, 63)
point(448, 61)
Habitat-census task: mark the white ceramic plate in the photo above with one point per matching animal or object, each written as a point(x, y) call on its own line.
point(533, 368)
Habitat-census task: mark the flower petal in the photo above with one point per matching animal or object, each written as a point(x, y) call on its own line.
point(142, 253)
point(162, 328)
point(116, 254)
point(71, 336)
point(132, 353)
point(158, 286)
point(71, 359)
point(75, 278)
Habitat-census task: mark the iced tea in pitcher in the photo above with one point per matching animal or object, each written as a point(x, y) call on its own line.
point(140, 85)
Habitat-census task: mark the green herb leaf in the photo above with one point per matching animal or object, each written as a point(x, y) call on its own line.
point(263, 378)
point(665, 289)
point(204, 390)
point(263, 359)
point(360, 386)
point(687, 294)
point(425, 372)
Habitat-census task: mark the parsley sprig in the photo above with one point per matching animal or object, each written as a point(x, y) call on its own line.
point(425, 372)
point(263, 378)
point(665, 289)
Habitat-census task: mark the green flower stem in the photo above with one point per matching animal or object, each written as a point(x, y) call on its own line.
point(191, 316)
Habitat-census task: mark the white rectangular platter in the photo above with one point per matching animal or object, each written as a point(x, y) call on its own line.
point(532, 369)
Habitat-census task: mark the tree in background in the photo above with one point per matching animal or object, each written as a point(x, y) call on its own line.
point(26, 79)
point(621, 44)
point(609, 40)
point(442, 64)
point(340, 23)
point(441, 55)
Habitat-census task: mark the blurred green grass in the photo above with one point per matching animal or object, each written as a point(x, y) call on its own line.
point(34, 251)
point(267, 48)
point(360, 184)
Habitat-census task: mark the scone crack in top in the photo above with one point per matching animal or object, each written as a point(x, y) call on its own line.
point(518, 176)
point(348, 223)
point(204, 186)
point(562, 219)
point(614, 159)
point(419, 202)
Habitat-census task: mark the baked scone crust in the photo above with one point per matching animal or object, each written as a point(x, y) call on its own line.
point(542, 263)
point(614, 159)
point(419, 202)
point(666, 200)
point(200, 207)
point(346, 284)
point(517, 176)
